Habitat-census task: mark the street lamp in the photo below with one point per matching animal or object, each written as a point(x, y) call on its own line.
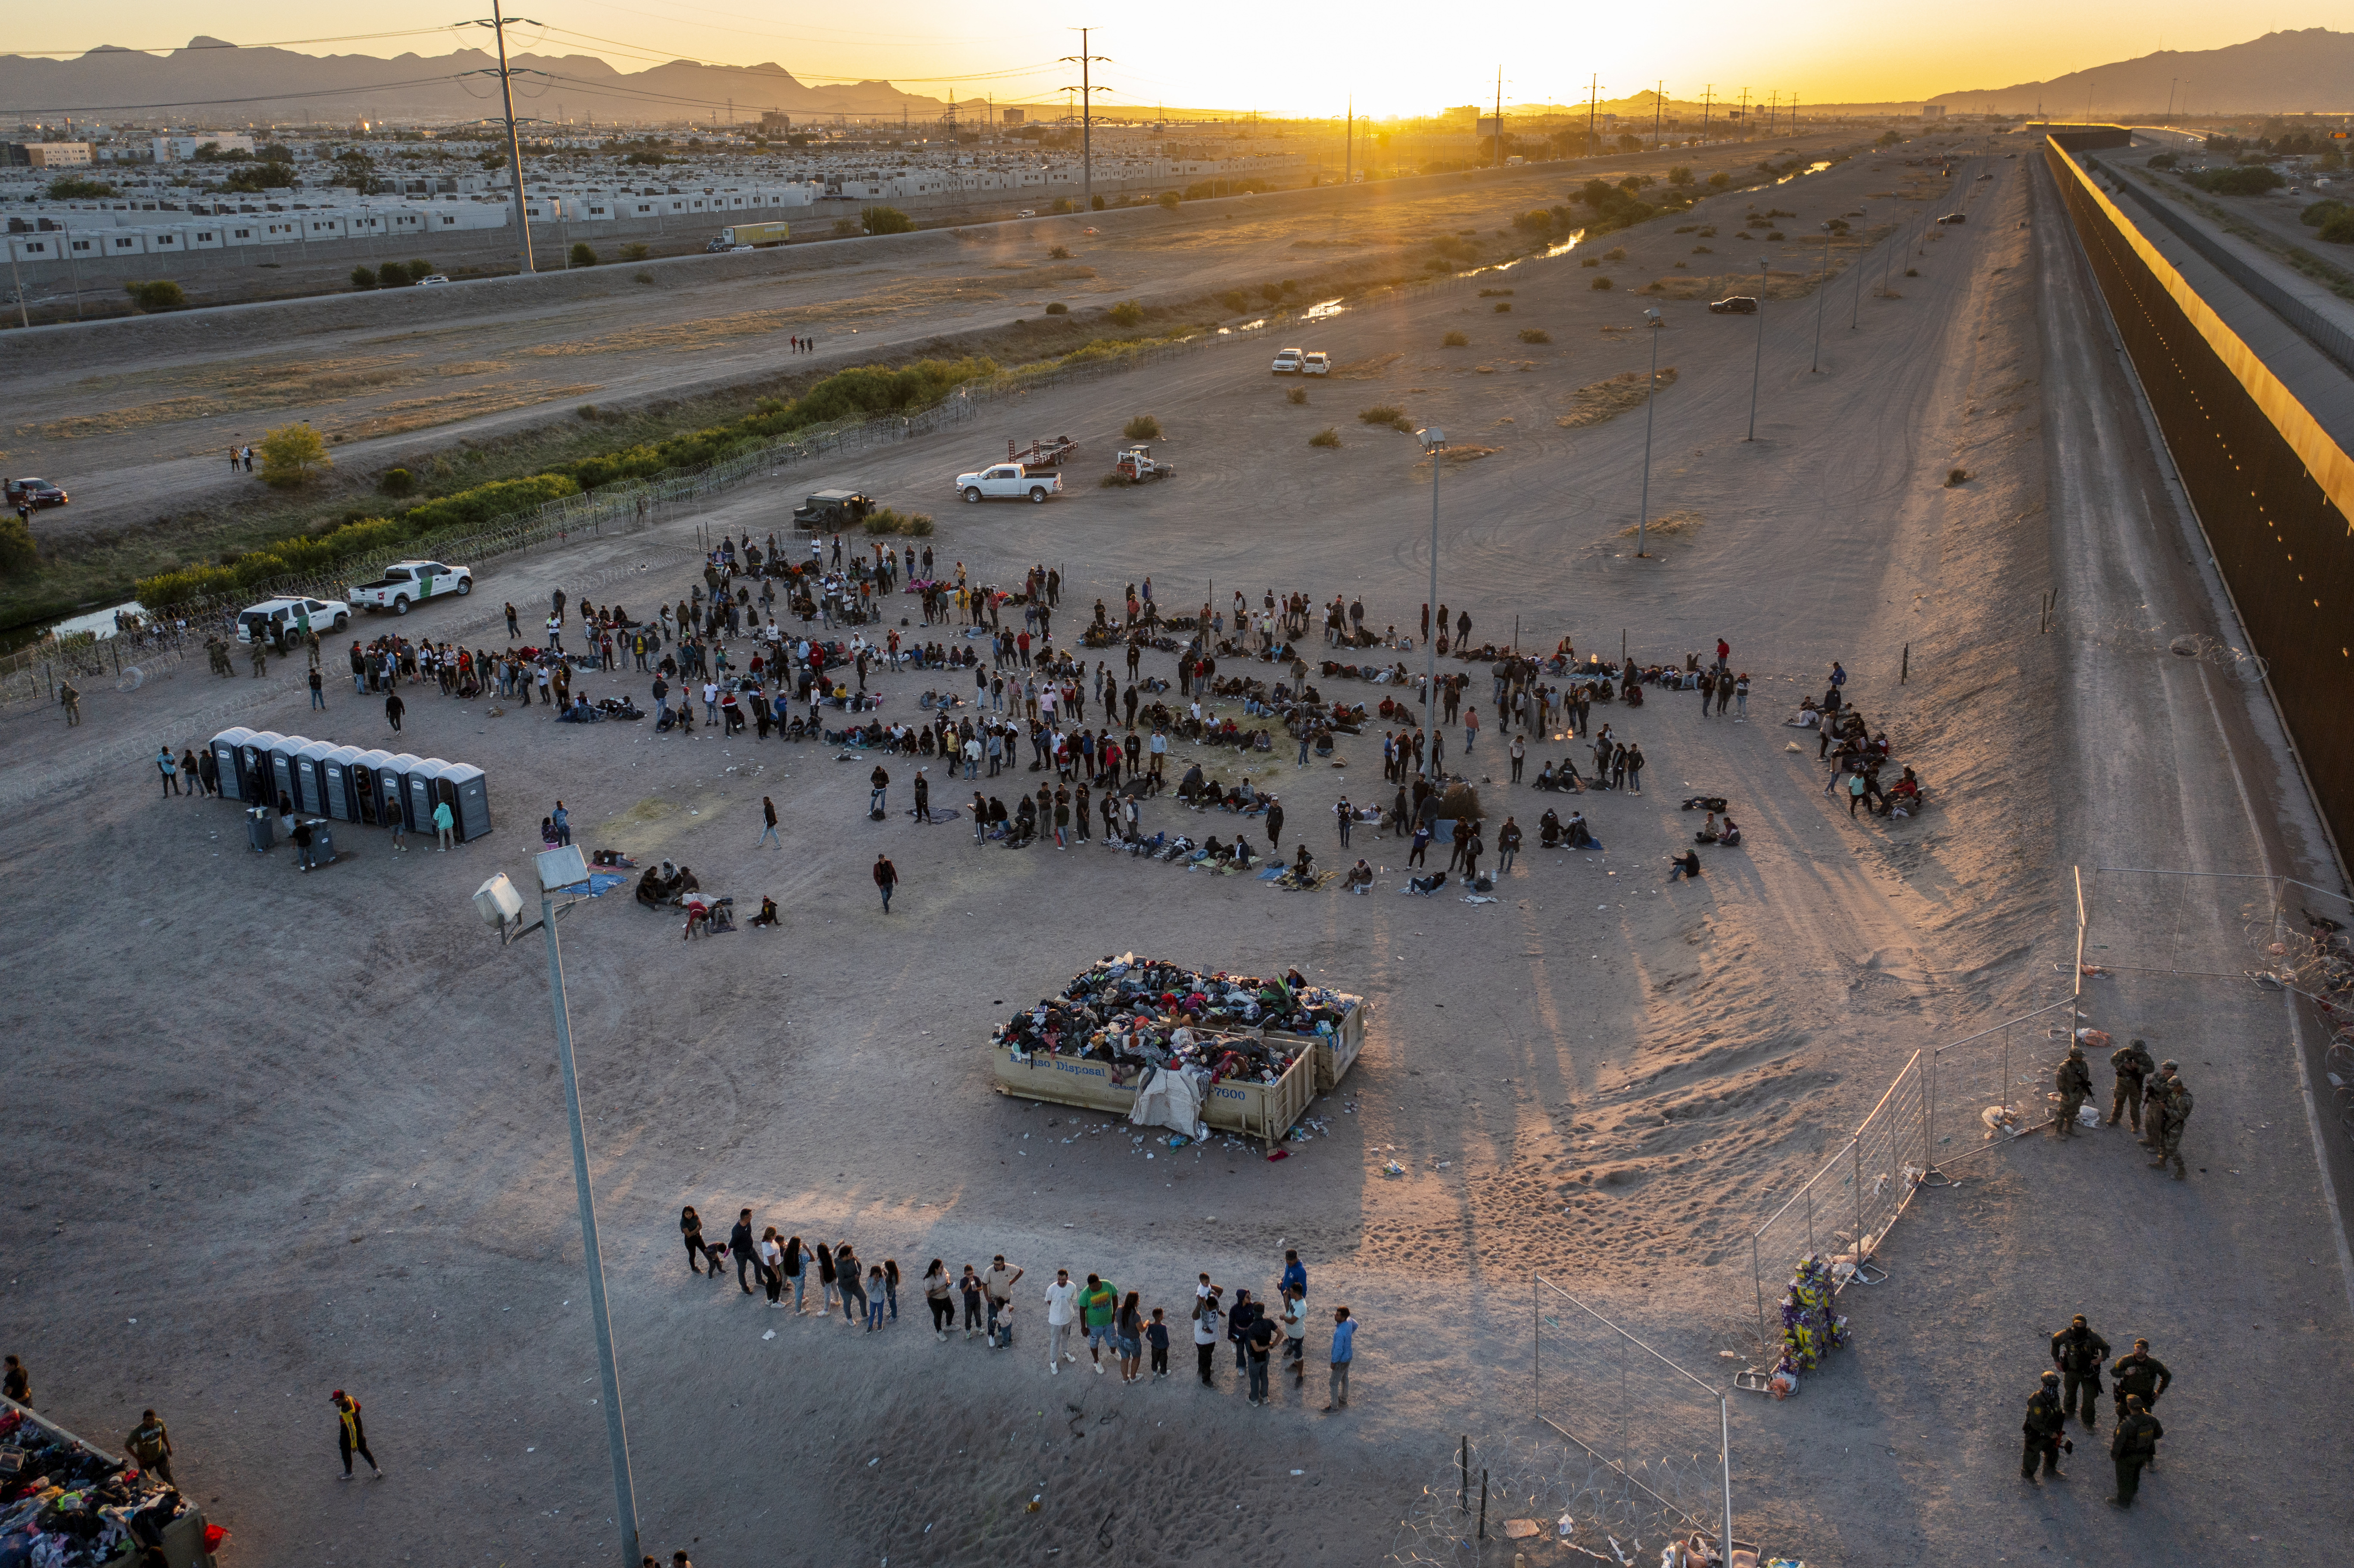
point(1650, 412)
point(1855, 316)
point(1763, 267)
point(500, 906)
point(1823, 291)
point(1433, 441)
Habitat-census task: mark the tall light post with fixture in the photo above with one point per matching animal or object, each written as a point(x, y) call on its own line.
point(1823, 291)
point(1650, 412)
point(1855, 316)
point(501, 907)
point(1765, 267)
point(1433, 441)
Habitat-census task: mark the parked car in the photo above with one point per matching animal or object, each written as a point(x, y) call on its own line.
point(1954, 217)
point(405, 582)
point(832, 512)
point(1735, 305)
point(38, 492)
point(428, 283)
point(1288, 361)
point(1027, 212)
point(1008, 481)
point(276, 619)
point(1315, 363)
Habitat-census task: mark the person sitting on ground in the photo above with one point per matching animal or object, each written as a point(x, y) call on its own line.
point(1577, 834)
point(1707, 834)
point(767, 914)
point(1729, 836)
point(1301, 865)
point(1686, 865)
point(1549, 829)
point(1360, 878)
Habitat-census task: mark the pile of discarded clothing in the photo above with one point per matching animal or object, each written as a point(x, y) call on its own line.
point(63, 1504)
point(1145, 1016)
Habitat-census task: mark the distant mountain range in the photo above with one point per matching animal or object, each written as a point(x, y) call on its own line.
point(2309, 71)
point(217, 86)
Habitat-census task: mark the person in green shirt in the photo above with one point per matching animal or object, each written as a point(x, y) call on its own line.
point(1098, 1306)
point(444, 820)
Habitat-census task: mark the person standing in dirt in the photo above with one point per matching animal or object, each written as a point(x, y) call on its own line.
point(351, 1436)
point(2078, 1353)
point(740, 1248)
point(150, 1445)
point(393, 708)
point(923, 800)
point(1274, 823)
point(17, 1385)
point(2042, 1428)
point(2134, 1447)
point(998, 1285)
point(2074, 1080)
point(2132, 1064)
point(2176, 1105)
point(1206, 1334)
point(2139, 1376)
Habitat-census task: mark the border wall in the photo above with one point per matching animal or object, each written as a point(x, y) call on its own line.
point(2273, 492)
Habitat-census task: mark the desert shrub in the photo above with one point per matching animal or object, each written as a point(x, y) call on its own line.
point(1064, 203)
point(1143, 428)
point(1235, 300)
point(641, 276)
point(1703, 250)
point(1912, 272)
point(420, 268)
point(398, 483)
point(1535, 334)
point(1707, 231)
point(1326, 437)
point(1380, 414)
point(634, 251)
point(2164, 161)
point(1590, 261)
point(1096, 203)
point(843, 228)
point(2339, 230)
point(1774, 233)
point(1616, 253)
point(18, 551)
point(363, 277)
point(886, 220)
point(920, 525)
point(1719, 179)
point(1456, 340)
point(2248, 179)
point(1955, 476)
point(393, 275)
point(1680, 174)
point(2321, 212)
point(163, 294)
point(1167, 199)
point(1056, 308)
point(1602, 282)
point(1059, 254)
point(1297, 395)
point(481, 502)
point(583, 254)
point(1503, 307)
point(291, 454)
point(1127, 313)
point(1496, 294)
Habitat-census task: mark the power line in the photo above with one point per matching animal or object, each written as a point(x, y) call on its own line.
point(194, 45)
point(217, 102)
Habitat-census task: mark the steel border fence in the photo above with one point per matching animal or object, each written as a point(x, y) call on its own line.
point(1621, 1429)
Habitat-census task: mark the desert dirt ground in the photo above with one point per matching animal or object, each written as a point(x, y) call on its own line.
point(135, 419)
point(329, 1105)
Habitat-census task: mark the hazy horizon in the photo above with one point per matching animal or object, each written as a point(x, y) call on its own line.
point(1231, 57)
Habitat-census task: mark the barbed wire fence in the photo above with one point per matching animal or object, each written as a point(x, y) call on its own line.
point(1551, 1499)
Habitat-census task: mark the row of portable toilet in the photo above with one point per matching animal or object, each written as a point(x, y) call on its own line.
point(374, 788)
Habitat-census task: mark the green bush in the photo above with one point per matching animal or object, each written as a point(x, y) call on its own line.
point(18, 552)
point(398, 483)
point(1296, 396)
point(163, 294)
point(2339, 230)
point(1167, 199)
point(1127, 313)
point(2248, 179)
point(484, 502)
point(420, 268)
point(1235, 300)
point(1456, 340)
point(1056, 308)
point(1064, 203)
point(363, 277)
point(1504, 307)
point(1535, 334)
point(78, 188)
point(642, 277)
point(1380, 414)
point(886, 220)
point(1602, 282)
point(920, 525)
point(1143, 428)
point(1326, 437)
point(1097, 203)
point(583, 255)
point(1059, 254)
point(2321, 212)
point(393, 275)
point(634, 251)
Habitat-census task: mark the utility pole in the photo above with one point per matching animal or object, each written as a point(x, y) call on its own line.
point(1742, 114)
point(1592, 97)
point(1500, 121)
point(1348, 143)
point(506, 75)
point(1657, 99)
point(1086, 118)
point(1707, 103)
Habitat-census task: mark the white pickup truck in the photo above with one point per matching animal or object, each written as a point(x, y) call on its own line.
point(1009, 482)
point(405, 582)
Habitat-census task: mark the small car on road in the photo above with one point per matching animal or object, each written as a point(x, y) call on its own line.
point(1315, 362)
point(1734, 305)
point(1290, 362)
point(35, 493)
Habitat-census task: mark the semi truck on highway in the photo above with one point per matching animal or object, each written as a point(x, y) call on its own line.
point(745, 235)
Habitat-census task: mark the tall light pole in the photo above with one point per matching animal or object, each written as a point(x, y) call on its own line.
point(1650, 412)
point(1087, 117)
point(1763, 267)
point(498, 26)
point(1855, 316)
point(1433, 441)
point(1822, 293)
point(498, 904)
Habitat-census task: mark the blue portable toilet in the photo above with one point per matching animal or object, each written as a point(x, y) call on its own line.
point(254, 755)
point(463, 786)
point(285, 781)
point(393, 783)
point(311, 767)
point(229, 761)
point(375, 794)
point(422, 778)
point(343, 798)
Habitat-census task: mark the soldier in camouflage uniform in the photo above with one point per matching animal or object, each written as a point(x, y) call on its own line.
point(2176, 1105)
point(2043, 1426)
point(2134, 1447)
point(2074, 1082)
point(2138, 1376)
point(2078, 1353)
point(2132, 1066)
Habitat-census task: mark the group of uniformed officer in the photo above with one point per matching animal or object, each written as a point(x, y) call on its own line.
point(2138, 1080)
point(2073, 1386)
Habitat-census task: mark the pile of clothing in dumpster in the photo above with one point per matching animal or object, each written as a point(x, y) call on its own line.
point(1140, 1015)
point(63, 1504)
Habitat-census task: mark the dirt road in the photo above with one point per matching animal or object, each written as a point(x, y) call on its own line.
point(327, 1103)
